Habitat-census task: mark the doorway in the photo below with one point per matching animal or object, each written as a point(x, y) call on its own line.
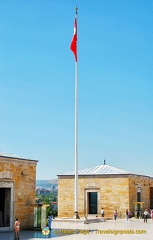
point(5, 203)
point(92, 202)
point(151, 197)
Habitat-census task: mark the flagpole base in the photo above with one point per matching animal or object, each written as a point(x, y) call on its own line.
point(76, 215)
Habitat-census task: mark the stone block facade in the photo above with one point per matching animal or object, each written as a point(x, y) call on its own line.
point(17, 188)
point(116, 191)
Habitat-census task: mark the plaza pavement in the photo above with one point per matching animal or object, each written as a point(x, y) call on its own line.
point(119, 230)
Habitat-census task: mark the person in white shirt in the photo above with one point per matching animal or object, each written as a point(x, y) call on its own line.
point(102, 214)
point(50, 219)
point(146, 213)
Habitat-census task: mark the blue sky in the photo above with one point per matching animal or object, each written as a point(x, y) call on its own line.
point(115, 73)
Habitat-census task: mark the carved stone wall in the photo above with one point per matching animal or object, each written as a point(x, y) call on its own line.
point(114, 192)
point(20, 174)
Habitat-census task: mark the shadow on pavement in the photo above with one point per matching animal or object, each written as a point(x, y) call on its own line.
point(27, 235)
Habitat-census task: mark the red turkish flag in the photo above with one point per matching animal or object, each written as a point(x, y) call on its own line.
point(73, 45)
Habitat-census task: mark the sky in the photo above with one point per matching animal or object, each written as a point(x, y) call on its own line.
point(115, 83)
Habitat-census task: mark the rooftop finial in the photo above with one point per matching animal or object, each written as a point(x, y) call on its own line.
point(76, 9)
point(104, 161)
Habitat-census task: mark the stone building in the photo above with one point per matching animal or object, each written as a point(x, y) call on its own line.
point(17, 191)
point(104, 186)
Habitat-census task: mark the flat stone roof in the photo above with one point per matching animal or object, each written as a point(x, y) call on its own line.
point(8, 155)
point(104, 169)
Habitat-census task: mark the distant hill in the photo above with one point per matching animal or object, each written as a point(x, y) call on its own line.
point(46, 183)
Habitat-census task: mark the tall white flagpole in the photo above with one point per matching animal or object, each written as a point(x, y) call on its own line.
point(76, 138)
point(76, 127)
point(73, 47)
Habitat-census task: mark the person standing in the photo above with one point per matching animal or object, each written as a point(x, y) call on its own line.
point(127, 217)
point(50, 219)
point(146, 213)
point(17, 229)
point(115, 215)
point(102, 214)
point(151, 214)
point(138, 213)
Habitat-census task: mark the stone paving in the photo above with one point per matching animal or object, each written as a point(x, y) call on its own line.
point(64, 230)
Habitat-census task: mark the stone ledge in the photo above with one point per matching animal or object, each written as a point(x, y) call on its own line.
point(81, 220)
